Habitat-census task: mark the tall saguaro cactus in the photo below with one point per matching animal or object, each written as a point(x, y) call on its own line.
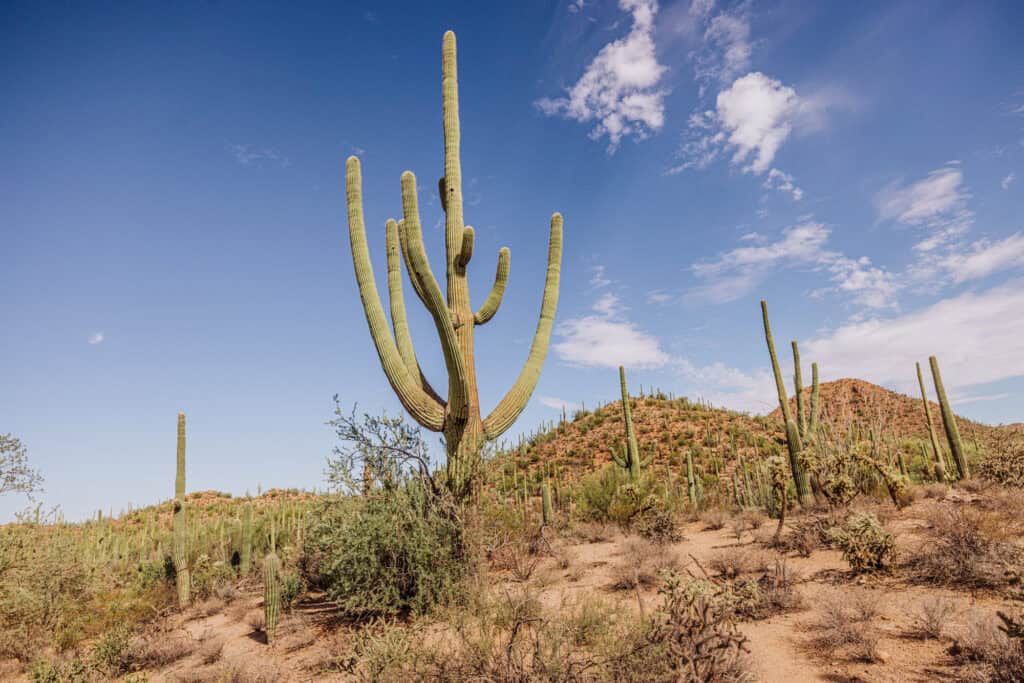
point(630, 456)
point(459, 416)
point(182, 575)
point(940, 467)
point(949, 422)
point(793, 442)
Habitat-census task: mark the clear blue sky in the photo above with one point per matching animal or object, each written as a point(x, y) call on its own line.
point(173, 223)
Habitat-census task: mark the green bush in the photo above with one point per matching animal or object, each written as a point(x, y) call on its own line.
point(401, 551)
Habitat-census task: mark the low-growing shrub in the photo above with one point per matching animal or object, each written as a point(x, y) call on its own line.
point(966, 548)
point(845, 625)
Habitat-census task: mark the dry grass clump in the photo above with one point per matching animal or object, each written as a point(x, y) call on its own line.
point(811, 532)
point(746, 521)
point(992, 648)
point(966, 548)
point(935, 491)
point(641, 564)
point(714, 519)
point(732, 562)
point(845, 627)
point(160, 650)
point(594, 532)
point(931, 616)
point(210, 649)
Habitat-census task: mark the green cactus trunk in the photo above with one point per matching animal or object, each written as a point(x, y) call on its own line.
point(691, 480)
point(949, 422)
point(798, 389)
point(245, 554)
point(793, 442)
point(271, 594)
point(183, 578)
point(458, 417)
point(940, 467)
point(549, 515)
point(630, 458)
point(814, 401)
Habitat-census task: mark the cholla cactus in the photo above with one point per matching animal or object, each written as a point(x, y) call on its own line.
point(182, 575)
point(865, 543)
point(271, 594)
point(459, 416)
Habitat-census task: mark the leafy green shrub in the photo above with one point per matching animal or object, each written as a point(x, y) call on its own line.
point(865, 543)
point(401, 551)
point(112, 653)
point(596, 491)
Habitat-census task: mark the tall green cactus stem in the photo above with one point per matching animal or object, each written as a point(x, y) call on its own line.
point(815, 406)
point(183, 578)
point(691, 480)
point(949, 422)
point(793, 442)
point(629, 459)
point(459, 417)
point(940, 467)
point(549, 515)
point(798, 389)
point(245, 554)
point(271, 594)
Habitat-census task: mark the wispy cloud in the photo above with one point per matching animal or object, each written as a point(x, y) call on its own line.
point(96, 338)
point(598, 278)
point(931, 201)
point(985, 258)
point(977, 336)
point(783, 182)
point(248, 155)
point(558, 403)
point(1007, 181)
point(620, 90)
point(962, 400)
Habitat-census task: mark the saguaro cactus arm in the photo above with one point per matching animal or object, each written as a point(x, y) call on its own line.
point(509, 408)
point(490, 307)
point(940, 467)
point(399, 320)
point(814, 400)
point(798, 389)
point(424, 408)
point(949, 422)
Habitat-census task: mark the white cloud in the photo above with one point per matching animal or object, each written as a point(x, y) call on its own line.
point(1007, 181)
point(597, 341)
point(752, 118)
point(558, 404)
point(985, 258)
point(930, 201)
point(598, 278)
point(978, 338)
point(576, 6)
point(730, 387)
point(735, 273)
point(619, 90)
point(658, 296)
point(783, 182)
point(962, 400)
point(726, 48)
point(248, 155)
point(96, 338)
point(608, 305)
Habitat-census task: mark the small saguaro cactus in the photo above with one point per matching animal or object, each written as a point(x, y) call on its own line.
point(545, 494)
point(459, 416)
point(183, 579)
point(949, 422)
point(691, 479)
point(793, 442)
point(245, 553)
point(940, 467)
point(271, 594)
point(629, 456)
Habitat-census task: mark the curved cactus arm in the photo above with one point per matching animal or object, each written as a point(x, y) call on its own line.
point(466, 251)
point(399, 321)
point(619, 457)
point(458, 397)
point(493, 301)
point(404, 249)
point(425, 409)
point(644, 464)
point(508, 409)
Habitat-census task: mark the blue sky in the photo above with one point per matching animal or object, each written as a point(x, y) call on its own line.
point(173, 220)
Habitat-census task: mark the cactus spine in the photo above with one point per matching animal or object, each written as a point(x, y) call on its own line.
point(459, 416)
point(245, 555)
point(949, 422)
point(271, 594)
point(793, 442)
point(629, 458)
point(940, 467)
point(180, 524)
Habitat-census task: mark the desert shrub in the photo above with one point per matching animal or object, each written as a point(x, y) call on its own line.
point(932, 615)
point(994, 649)
point(292, 586)
point(403, 550)
point(732, 562)
point(641, 564)
point(865, 543)
point(113, 653)
point(596, 491)
point(811, 532)
point(714, 519)
point(844, 625)
point(966, 548)
point(659, 525)
point(59, 671)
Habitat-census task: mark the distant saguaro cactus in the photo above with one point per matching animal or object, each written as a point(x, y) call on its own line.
point(271, 594)
point(629, 458)
point(459, 416)
point(546, 510)
point(793, 442)
point(940, 467)
point(183, 578)
point(949, 422)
